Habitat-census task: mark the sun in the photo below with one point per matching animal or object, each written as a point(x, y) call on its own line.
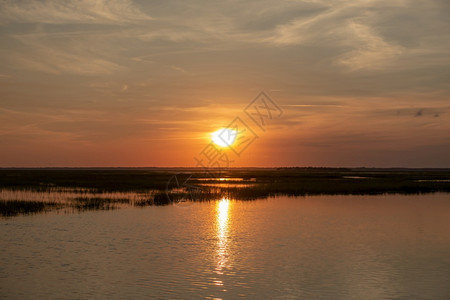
point(224, 137)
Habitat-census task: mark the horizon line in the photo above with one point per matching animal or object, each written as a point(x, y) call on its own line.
point(223, 169)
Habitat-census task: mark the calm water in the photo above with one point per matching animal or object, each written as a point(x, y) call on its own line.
point(321, 247)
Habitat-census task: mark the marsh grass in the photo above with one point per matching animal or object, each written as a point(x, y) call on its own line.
point(297, 181)
point(23, 207)
point(68, 199)
point(36, 190)
point(97, 203)
point(157, 199)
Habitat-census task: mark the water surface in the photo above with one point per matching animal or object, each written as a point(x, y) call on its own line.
point(320, 247)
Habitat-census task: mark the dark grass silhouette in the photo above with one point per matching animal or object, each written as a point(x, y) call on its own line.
point(258, 183)
point(295, 181)
point(23, 207)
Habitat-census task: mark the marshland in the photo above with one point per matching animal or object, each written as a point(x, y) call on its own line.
point(187, 234)
point(27, 191)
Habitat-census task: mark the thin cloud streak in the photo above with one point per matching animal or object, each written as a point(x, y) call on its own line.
point(79, 11)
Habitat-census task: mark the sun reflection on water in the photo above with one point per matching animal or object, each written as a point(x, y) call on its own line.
point(222, 219)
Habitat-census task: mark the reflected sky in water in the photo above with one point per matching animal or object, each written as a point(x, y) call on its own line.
point(321, 247)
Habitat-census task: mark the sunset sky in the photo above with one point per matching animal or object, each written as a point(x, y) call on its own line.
point(145, 83)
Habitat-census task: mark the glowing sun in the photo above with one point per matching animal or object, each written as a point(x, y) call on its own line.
point(224, 137)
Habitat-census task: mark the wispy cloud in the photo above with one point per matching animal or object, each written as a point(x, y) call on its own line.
point(369, 50)
point(77, 11)
point(63, 54)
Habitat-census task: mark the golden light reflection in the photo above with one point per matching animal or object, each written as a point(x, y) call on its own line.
point(222, 225)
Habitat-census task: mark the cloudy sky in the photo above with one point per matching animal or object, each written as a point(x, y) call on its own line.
point(144, 83)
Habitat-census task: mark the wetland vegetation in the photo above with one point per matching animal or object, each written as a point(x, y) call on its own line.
point(25, 191)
